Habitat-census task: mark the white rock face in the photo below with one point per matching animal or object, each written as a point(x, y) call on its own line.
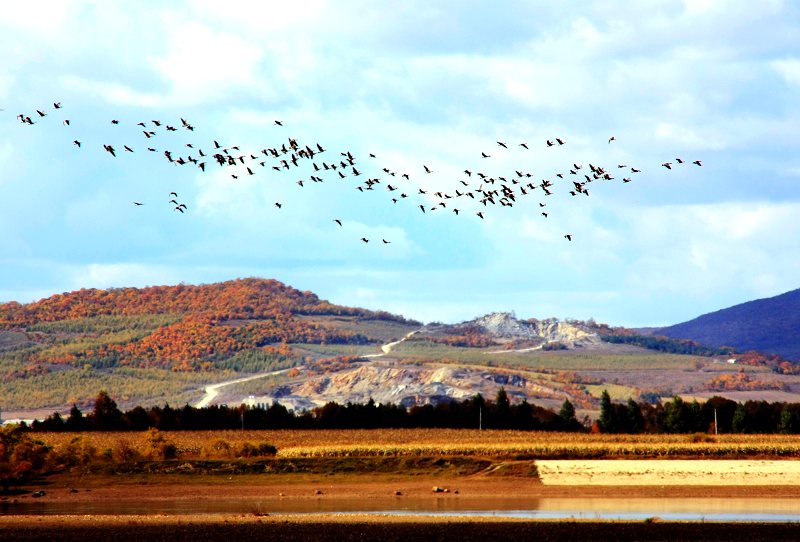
point(505, 325)
point(387, 382)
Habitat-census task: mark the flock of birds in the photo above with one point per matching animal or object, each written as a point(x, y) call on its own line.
point(312, 163)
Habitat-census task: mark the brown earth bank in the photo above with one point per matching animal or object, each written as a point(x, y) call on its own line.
point(252, 488)
point(321, 528)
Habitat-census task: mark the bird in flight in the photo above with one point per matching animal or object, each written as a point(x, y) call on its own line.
point(365, 239)
point(337, 221)
point(568, 237)
point(137, 203)
point(612, 138)
point(279, 123)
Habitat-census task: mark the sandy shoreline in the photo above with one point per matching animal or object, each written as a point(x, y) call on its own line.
point(315, 507)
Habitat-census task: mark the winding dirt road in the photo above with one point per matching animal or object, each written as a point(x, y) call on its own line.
point(212, 391)
point(387, 348)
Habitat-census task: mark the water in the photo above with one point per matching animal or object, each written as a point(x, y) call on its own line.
point(694, 509)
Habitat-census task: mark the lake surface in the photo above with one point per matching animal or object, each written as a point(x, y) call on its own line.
point(694, 509)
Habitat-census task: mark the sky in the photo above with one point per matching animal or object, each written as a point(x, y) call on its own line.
point(416, 84)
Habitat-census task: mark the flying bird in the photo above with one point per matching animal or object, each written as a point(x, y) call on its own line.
point(697, 162)
point(568, 237)
point(337, 221)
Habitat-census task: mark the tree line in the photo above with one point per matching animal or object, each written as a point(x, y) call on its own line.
point(473, 412)
point(676, 416)
point(717, 415)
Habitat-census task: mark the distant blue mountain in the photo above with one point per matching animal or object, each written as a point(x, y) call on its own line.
point(770, 325)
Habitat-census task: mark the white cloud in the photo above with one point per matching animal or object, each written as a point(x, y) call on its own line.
point(789, 69)
point(202, 63)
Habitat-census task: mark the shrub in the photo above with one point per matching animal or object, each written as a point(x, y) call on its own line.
point(159, 447)
point(126, 453)
point(78, 452)
point(248, 449)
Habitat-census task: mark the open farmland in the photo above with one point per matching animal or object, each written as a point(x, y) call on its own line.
point(454, 442)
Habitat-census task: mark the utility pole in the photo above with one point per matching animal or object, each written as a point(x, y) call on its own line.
point(480, 418)
point(716, 430)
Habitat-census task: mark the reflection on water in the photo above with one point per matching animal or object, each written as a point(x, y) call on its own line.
point(695, 509)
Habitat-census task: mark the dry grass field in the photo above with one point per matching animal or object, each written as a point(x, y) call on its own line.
point(450, 442)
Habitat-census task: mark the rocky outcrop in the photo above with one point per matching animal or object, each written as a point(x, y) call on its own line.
point(406, 384)
point(504, 325)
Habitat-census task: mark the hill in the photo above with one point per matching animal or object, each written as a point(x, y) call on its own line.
point(769, 325)
point(260, 341)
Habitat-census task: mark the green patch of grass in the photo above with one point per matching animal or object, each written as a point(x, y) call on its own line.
point(107, 324)
point(420, 350)
point(332, 350)
point(379, 330)
point(617, 392)
point(125, 384)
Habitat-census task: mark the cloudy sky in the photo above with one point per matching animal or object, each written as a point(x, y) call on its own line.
point(415, 83)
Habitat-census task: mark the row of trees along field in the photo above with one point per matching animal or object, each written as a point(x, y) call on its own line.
point(675, 416)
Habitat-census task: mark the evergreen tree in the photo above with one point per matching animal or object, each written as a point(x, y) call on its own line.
point(740, 422)
point(567, 416)
point(634, 417)
point(502, 410)
point(678, 417)
point(106, 415)
point(787, 423)
point(75, 421)
point(607, 420)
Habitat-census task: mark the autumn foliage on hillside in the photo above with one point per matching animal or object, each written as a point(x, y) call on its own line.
point(237, 299)
point(210, 323)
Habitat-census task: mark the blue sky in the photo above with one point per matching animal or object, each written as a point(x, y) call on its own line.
point(416, 84)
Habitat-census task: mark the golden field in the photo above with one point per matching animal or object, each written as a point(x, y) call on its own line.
point(449, 442)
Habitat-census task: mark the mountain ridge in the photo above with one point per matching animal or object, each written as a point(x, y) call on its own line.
point(770, 325)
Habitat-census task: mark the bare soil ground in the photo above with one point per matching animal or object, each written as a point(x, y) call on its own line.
point(323, 528)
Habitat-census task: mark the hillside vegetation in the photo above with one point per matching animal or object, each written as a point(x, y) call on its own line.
point(165, 344)
point(769, 325)
point(61, 349)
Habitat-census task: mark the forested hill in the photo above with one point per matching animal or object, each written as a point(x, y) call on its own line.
point(769, 325)
point(226, 325)
point(249, 298)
